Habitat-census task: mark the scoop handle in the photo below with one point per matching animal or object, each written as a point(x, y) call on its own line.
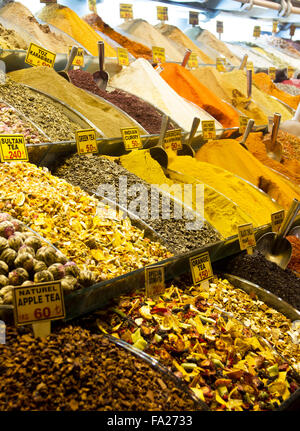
point(72, 55)
point(186, 57)
point(249, 127)
point(100, 44)
point(249, 83)
point(244, 62)
point(275, 129)
point(194, 128)
point(163, 130)
point(289, 219)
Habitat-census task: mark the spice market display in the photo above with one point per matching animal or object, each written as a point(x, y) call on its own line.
point(131, 186)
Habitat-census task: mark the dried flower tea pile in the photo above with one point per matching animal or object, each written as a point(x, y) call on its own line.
point(73, 369)
point(222, 360)
point(11, 123)
point(25, 259)
point(94, 238)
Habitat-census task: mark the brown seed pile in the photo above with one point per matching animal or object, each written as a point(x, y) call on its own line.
point(73, 369)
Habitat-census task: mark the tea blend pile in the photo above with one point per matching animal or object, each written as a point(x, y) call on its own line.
point(73, 369)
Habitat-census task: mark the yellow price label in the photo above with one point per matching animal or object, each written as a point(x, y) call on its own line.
point(162, 13)
point(201, 268)
point(193, 18)
point(79, 58)
point(43, 301)
point(155, 280)
point(123, 57)
point(92, 6)
point(193, 61)
point(277, 219)
point(159, 54)
point(274, 26)
point(220, 27)
point(131, 138)
point(272, 73)
point(126, 11)
point(243, 123)
point(13, 148)
point(208, 129)
point(220, 64)
point(173, 140)
point(246, 236)
point(256, 31)
point(86, 141)
point(38, 56)
point(290, 72)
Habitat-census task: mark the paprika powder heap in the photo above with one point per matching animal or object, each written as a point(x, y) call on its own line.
point(189, 87)
point(294, 263)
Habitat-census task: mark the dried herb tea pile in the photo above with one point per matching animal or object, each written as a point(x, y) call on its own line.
point(96, 240)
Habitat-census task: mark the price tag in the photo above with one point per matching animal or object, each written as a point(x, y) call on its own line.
point(256, 31)
point(220, 27)
point(13, 148)
point(86, 141)
point(246, 237)
point(159, 54)
point(155, 280)
point(250, 66)
point(290, 72)
point(38, 56)
point(162, 13)
point(193, 18)
point(173, 140)
point(79, 58)
point(220, 64)
point(193, 61)
point(209, 129)
point(272, 73)
point(131, 138)
point(92, 6)
point(243, 123)
point(274, 26)
point(276, 220)
point(126, 11)
point(38, 305)
point(123, 57)
point(201, 268)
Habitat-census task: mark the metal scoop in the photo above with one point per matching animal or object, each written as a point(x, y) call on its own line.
point(249, 88)
point(64, 72)
point(248, 129)
point(187, 150)
point(274, 246)
point(158, 152)
point(101, 77)
point(274, 148)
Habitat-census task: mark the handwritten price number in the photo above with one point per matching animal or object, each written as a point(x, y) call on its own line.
point(24, 317)
point(134, 144)
point(203, 274)
point(13, 155)
point(89, 148)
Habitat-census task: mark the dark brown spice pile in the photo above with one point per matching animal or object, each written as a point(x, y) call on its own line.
point(73, 369)
point(90, 172)
point(144, 113)
point(255, 268)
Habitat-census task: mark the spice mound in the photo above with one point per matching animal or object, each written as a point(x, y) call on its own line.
point(95, 239)
point(68, 21)
point(255, 268)
point(224, 362)
point(26, 259)
point(75, 370)
point(144, 113)
point(135, 48)
point(170, 222)
point(106, 117)
point(187, 86)
point(9, 39)
point(294, 263)
point(45, 113)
